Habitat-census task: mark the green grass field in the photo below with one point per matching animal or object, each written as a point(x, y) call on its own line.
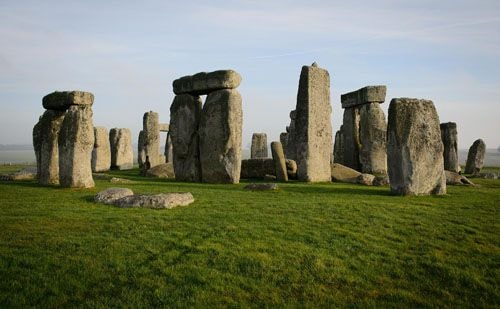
point(322, 245)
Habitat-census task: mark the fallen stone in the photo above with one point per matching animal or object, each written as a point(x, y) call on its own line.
point(220, 137)
point(453, 178)
point(110, 195)
point(165, 170)
point(157, 201)
point(269, 177)
point(369, 94)
point(341, 173)
point(28, 173)
point(475, 157)
point(313, 129)
point(365, 179)
point(99, 176)
point(62, 100)
point(381, 180)
point(450, 152)
point(122, 155)
point(414, 148)
point(205, 83)
point(101, 154)
point(120, 180)
point(76, 142)
point(185, 114)
point(261, 186)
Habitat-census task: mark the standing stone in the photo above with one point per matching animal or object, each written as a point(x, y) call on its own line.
point(259, 146)
point(352, 142)
point(338, 147)
point(372, 137)
point(76, 141)
point(475, 157)
point(220, 137)
point(291, 149)
point(279, 161)
point(450, 153)
point(185, 113)
point(284, 141)
point(122, 155)
point(50, 125)
point(151, 128)
point(169, 153)
point(101, 154)
point(141, 148)
point(414, 148)
point(313, 129)
point(37, 145)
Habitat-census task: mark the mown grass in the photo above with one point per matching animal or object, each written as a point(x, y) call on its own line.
point(324, 244)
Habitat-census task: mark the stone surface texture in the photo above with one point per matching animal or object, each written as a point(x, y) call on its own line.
point(453, 178)
point(338, 147)
point(291, 149)
point(284, 141)
point(279, 161)
point(220, 134)
point(205, 83)
point(258, 148)
point(475, 157)
point(365, 179)
point(122, 156)
point(151, 129)
point(313, 130)
point(165, 170)
point(141, 148)
point(157, 201)
point(101, 154)
point(342, 173)
point(368, 94)
point(169, 152)
point(261, 186)
point(372, 139)
point(50, 126)
point(62, 100)
point(185, 114)
point(450, 152)
point(414, 148)
point(37, 144)
point(109, 195)
point(351, 138)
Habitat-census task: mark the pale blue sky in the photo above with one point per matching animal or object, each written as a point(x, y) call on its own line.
point(128, 53)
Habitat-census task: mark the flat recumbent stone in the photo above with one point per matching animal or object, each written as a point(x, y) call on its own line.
point(62, 100)
point(204, 83)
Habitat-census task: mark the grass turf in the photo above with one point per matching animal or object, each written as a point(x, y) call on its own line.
point(327, 244)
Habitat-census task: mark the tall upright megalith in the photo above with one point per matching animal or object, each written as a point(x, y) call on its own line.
point(50, 126)
point(151, 129)
point(37, 145)
point(338, 146)
point(258, 148)
point(312, 134)
point(122, 155)
point(141, 148)
point(185, 113)
point(279, 161)
point(363, 131)
point(220, 133)
point(414, 148)
point(169, 151)
point(101, 154)
point(450, 150)
point(290, 148)
point(475, 157)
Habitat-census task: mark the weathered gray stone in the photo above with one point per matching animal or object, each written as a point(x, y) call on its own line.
point(141, 148)
point(450, 153)
point(50, 126)
point(258, 148)
point(165, 170)
point(169, 152)
point(120, 180)
point(414, 148)
point(205, 83)
point(313, 130)
point(475, 157)
point(372, 137)
point(351, 138)
point(185, 114)
point(37, 144)
point(122, 155)
point(279, 161)
point(220, 137)
point(341, 173)
point(151, 129)
point(62, 100)
point(338, 147)
point(28, 173)
point(453, 178)
point(291, 147)
point(101, 154)
point(381, 180)
point(261, 186)
point(365, 179)
point(76, 142)
point(368, 94)
point(291, 168)
point(256, 168)
point(157, 201)
point(284, 141)
point(110, 195)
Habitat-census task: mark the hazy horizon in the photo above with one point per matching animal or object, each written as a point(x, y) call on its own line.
point(128, 54)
